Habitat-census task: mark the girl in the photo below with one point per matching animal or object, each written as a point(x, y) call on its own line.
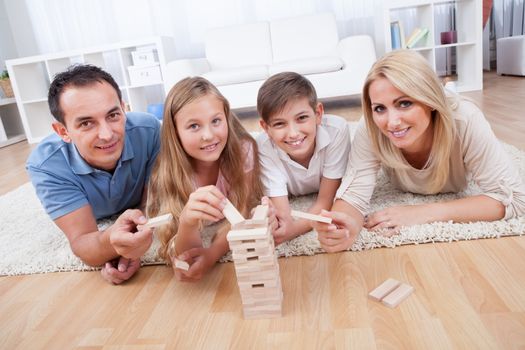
point(427, 143)
point(205, 157)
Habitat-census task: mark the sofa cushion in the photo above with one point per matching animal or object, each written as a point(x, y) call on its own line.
point(304, 37)
point(308, 65)
point(239, 46)
point(239, 75)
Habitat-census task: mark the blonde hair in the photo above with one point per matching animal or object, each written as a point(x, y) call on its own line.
point(171, 181)
point(410, 73)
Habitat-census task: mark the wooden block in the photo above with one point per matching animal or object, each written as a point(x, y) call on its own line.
point(181, 264)
point(157, 221)
point(308, 216)
point(232, 214)
point(384, 289)
point(398, 295)
point(248, 234)
point(260, 213)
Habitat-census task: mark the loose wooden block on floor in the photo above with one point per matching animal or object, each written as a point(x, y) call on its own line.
point(398, 295)
point(384, 289)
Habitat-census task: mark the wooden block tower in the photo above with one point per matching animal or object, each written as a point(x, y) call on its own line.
point(256, 266)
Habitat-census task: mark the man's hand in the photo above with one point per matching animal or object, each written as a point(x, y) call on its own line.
point(120, 270)
point(201, 260)
point(339, 235)
point(126, 242)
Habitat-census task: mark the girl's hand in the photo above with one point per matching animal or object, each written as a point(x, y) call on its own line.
point(337, 236)
point(206, 203)
point(391, 220)
point(201, 260)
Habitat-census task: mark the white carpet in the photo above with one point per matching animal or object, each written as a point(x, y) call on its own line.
point(31, 243)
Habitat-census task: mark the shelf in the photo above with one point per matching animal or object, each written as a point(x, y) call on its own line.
point(461, 16)
point(7, 101)
point(11, 139)
point(31, 77)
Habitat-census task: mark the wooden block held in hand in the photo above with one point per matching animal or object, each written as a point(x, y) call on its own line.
point(398, 295)
point(260, 212)
point(157, 221)
point(384, 289)
point(313, 217)
point(181, 264)
point(232, 214)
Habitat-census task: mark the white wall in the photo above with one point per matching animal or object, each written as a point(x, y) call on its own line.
point(44, 26)
point(7, 44)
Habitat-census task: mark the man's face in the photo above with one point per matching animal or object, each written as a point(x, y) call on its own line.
point(94, 122)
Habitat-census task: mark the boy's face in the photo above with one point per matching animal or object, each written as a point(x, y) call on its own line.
point(294, 129)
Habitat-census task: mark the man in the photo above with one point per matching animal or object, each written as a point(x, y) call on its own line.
point(96, 165)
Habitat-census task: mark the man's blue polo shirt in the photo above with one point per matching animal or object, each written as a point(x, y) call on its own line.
point(64, 181)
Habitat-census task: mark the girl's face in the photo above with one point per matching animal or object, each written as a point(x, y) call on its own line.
point(202, 128)
point(405, 121)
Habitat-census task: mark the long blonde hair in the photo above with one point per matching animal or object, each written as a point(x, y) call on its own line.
point(171, 181)
point(410, 73)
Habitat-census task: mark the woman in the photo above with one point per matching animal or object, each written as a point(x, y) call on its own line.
point(427, 142)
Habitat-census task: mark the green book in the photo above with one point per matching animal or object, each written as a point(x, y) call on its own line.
point(421, 35)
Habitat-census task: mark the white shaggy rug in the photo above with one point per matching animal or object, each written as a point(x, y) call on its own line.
point(31, 243)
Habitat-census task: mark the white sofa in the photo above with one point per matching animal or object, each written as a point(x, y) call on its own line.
point(240, 58)
point(510, 55)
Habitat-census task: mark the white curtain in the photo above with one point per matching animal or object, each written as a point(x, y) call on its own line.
point(60, 25)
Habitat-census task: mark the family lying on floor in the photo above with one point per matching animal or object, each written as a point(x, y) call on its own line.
point(102, 161)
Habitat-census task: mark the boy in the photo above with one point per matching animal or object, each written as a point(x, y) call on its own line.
point(302, 150)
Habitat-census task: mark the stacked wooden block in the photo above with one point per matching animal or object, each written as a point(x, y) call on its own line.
point(256, 266)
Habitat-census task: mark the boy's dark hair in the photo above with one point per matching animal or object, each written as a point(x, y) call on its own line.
point(280, 89)
point(76, 75)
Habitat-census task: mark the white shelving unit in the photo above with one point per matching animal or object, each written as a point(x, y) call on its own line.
point(465, 55)
point(11, 129)
point(31, 77)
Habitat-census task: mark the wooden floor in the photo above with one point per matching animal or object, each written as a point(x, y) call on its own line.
point(468, 295)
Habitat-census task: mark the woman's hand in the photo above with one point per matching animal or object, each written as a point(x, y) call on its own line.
point(390, 220)
point(205, 203)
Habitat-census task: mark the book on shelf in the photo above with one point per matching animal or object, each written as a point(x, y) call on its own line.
point(417, 36)
point(397, 35)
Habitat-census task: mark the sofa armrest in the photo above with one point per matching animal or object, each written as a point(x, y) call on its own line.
point(357, 52)
point(180, 69)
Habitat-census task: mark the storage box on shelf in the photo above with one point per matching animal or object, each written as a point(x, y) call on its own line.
point(140, 84)
point(462, 60)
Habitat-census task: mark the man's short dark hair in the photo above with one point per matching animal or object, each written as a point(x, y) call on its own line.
point(280, 89)
point(77, 75)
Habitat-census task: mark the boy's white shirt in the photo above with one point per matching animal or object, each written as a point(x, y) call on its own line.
point(282, 176)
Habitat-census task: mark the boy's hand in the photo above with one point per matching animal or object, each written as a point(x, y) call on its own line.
point(283, 232)
point(201, 260)
point(338, 235)
point(119, 270)
point(126, 242)
point(272, 218)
